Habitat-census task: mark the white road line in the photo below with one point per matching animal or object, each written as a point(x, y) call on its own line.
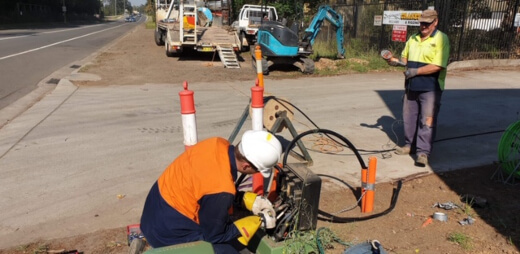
point(56, 43)
point(50, 32)
point(65, 30)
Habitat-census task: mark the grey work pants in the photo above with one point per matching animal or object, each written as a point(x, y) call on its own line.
point(420, 111)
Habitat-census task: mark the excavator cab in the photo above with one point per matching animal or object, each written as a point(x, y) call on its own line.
point(275, 35)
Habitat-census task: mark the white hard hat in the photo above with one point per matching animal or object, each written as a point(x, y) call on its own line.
point(262, 149)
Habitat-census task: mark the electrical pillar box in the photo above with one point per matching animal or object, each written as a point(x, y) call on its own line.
point(303, 187)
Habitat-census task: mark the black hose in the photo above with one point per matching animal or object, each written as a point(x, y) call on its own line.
point(330, 217)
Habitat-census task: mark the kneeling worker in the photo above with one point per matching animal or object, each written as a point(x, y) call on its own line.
point(191, 199)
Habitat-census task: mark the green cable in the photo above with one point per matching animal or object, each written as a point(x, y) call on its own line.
point(509, 149)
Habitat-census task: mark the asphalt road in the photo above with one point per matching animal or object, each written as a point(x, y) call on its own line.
point(28, 57)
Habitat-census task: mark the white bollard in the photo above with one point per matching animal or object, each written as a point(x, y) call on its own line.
point(257, 107)
point(189, 124)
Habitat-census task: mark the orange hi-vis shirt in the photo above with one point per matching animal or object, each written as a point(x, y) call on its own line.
point(201, 170)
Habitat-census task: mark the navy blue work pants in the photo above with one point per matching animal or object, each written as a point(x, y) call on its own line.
point(420, 111)
point(163, 226)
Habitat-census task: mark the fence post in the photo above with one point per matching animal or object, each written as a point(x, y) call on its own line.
point(461, 38)
point(354, 17)
point(382, 35)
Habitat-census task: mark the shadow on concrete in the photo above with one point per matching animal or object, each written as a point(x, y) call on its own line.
point(389, 125)
point(470, 123)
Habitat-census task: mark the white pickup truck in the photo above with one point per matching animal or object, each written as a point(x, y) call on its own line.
point(249, 19)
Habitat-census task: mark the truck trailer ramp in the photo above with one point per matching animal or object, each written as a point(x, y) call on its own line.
point(228, 56)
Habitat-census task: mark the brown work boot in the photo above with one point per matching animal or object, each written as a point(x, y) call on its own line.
point(402, 150)
point(422, 160)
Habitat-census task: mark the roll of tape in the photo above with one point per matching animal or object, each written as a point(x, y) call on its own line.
point(440, 216)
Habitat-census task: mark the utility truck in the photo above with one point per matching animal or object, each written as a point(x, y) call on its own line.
point(201, 25)
point(249, 20)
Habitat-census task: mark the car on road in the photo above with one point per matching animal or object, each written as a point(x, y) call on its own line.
point(130, 19)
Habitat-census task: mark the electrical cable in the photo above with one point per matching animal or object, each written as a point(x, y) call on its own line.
point(351, 207)
point(468, 136)
point(332, 217)
point(393, 201)
point(351, 188)
point(324, 131)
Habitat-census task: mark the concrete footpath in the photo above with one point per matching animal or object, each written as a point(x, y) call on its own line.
point(83, 158)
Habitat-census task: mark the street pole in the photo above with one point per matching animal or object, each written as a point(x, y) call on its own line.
point(64, 9)
point(115, 7)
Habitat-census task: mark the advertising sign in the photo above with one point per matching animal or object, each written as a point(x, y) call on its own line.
point(408, 18)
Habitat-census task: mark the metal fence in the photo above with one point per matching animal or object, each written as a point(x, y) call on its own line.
point(477, 29)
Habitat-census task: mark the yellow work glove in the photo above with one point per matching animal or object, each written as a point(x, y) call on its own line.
point(255, 203)
point(247, 227)
point(262, 207)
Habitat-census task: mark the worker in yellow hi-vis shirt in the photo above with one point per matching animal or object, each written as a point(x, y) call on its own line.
point(426, 57)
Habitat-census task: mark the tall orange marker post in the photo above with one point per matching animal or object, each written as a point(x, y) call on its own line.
point(257, 107)
point(189, 124)
point(259, 69)
point(363, 187)
point(370, 186)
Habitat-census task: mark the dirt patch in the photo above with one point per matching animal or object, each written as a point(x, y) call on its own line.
point(135, 60)
point(407, 229)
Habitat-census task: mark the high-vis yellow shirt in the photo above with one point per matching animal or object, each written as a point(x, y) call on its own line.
point(433, 50)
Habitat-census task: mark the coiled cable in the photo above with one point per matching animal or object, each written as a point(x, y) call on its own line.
point(509, 149)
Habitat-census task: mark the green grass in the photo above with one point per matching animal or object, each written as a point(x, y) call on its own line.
point(23, 247)
point(461, 239)
point(466, 209)
point(510, 241)
point(307, 241)
point(38, 248)
point(301, 241)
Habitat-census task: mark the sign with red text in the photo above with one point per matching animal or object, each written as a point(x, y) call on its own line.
point(399, 33)
point(378, 20)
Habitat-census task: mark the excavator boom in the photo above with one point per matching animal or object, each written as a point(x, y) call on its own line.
point(325, 12)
